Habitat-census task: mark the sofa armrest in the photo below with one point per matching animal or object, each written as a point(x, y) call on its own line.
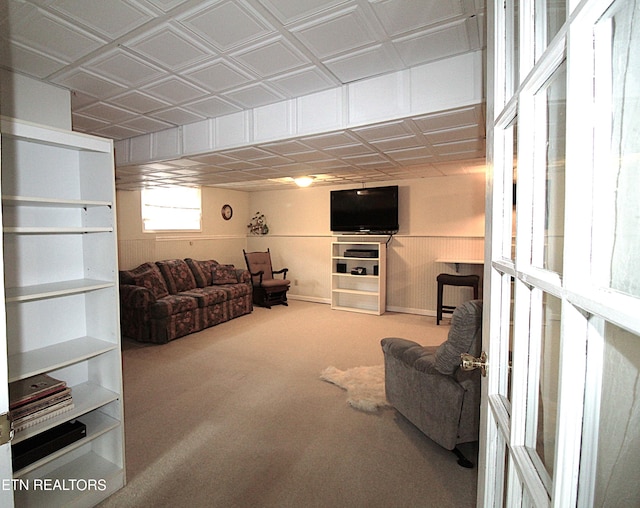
point(136, 297)
point(243, 275)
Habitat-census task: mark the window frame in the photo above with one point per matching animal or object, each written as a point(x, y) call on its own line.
point(177, 205)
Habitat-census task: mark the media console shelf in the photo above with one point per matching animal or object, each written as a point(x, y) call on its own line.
point(362, 292)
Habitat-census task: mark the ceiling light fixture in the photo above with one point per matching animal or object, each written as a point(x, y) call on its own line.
point(303, 181)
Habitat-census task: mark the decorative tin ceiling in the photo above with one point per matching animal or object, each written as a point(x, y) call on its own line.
point(140, 66)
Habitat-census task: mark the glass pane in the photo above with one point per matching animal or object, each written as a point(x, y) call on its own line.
point(624, 171)
point(509, 189)
point(505, 476)
point(618, 461)
point(514, 187)
point(171, 209)
point(550, 16)
point(511, 340)
point(550, 174)
point(513, 45)
point(542, 437)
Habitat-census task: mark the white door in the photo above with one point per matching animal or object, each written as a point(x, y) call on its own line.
point(561, 402)
point(6, 472)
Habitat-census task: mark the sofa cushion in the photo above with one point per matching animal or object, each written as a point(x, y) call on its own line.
point(177, 275)
point(464, 337)
point(234, 291)
point(153, 281)
point(208, 296)
point(173, 304)
point(201, 271)
point(224, 274)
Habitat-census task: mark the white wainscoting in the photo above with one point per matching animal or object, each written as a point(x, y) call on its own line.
point(224, 249)
point(411, 263)
point(411, 267)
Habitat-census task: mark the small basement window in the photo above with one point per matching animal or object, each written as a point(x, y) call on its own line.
point(171, 209)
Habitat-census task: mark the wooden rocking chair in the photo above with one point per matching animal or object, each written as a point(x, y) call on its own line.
point(267, 290)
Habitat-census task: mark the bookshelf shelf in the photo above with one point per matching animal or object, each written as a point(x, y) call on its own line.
point(97, 425)
point(30, 363)
point(86, 397)
point(54, 289)
point(51, 202)
point(87, 465)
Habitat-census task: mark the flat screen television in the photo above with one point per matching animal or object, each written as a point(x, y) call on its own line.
point(373, 210)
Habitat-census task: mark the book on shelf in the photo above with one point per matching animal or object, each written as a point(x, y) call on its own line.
point(42, 416)
point(37, 399)
point(26, 390)
point(43, 403)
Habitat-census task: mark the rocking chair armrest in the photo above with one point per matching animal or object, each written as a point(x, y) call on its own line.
point(283, 270)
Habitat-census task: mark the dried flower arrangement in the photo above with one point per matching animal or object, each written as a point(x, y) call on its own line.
point(258, 225)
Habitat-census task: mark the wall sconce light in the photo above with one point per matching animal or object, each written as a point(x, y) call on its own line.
point(303, 181)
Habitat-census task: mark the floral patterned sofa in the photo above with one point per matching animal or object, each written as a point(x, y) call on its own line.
point(168, 299)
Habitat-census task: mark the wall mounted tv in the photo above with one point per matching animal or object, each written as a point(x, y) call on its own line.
point(365, 211)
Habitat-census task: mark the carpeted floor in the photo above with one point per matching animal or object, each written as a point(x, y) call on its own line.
point(237, 416)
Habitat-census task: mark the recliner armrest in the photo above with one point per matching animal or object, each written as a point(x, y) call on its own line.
point(411, 353)
point(469, 379)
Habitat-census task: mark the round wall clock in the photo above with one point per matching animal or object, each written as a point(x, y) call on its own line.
point(227, 212)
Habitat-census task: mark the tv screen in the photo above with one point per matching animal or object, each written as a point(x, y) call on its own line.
point(373, 210)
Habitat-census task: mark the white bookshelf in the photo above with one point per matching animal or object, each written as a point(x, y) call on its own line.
point(61, 298)
point(359, 293)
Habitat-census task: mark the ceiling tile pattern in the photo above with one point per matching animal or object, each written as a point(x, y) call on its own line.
point(441, 144)
point(140, 66)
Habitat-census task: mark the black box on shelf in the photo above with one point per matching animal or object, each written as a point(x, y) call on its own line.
point(341, 268)
point(361, 253)
point(34, 448)
point(375, 269)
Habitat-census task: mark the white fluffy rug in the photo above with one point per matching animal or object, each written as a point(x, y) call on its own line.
point(364, 386)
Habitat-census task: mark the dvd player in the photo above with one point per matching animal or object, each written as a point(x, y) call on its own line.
point(360, 253)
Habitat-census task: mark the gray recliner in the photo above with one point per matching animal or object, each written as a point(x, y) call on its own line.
point(427, 386)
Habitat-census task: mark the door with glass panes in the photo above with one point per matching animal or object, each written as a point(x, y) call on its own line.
point(562, 273)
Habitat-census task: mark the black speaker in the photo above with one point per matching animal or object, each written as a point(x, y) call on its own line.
point(341, 268)
point(375, 269)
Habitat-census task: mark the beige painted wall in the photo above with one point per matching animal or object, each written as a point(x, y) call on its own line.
point(441, 206)
point(438, 217)
point(219, 239)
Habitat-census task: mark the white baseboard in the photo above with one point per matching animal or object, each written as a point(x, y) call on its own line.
point(312, 299)
point(402, 310)
point(405, 310)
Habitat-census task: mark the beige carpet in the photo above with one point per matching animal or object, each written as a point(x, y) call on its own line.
point(236, 416)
